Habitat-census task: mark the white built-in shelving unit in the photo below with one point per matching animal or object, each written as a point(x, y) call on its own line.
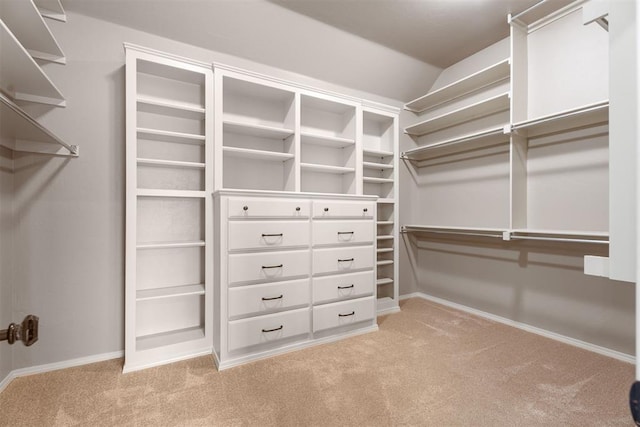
point(541, 117)
point(169, 208)
point(25, 37)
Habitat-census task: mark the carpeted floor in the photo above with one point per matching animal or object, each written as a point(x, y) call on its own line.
point(428, 365)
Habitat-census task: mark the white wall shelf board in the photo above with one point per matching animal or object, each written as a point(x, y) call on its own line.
point(385, 222)
point(479, 109)
point(21, 77)
point(27, 134)
point(169, 107)
point(325, 140)
point(384, 250)
point(169, 136)
point(384, 262)
point(384, 281)
point(51, 9)
point(312, 167)
point(378, 153)
point(254, 129)
point(376, 166)
point(561, 236)
point(384, 237)
point(539, 11)
point(482, 139)
point(374, 180)
point(170, 163)
point(469, 231)
point(168, 338)
point(168, 245)
point(386, 200)
point(248, 153)
point(485, 77)
point(25, 22)
point(143, 192)
point(169, 292)
point(589, 115)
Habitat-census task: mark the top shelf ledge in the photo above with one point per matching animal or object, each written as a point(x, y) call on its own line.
point(485, 77)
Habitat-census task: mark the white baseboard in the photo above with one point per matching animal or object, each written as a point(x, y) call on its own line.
point(543, 332)
point(22, 372)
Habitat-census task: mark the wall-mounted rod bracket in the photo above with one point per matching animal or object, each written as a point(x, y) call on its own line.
point(27, 331)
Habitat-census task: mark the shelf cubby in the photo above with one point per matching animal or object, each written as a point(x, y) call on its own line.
point(172, 337)
point(378, 131)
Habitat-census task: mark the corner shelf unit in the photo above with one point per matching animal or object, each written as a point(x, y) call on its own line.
point(169, 231)
point(24, 36)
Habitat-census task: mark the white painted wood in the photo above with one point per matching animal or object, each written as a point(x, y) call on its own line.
point(343, 209)
point(247, 128)
point(268, 266)
point(325, 140)
point(170, 292)
point(338, 170)
point(262, 207)
point(257, 154)
point(588, 115)
point(342, 260)
point(342, 287)
point(342, 232)
point(596, 266)
point(51, 9)
point(543, 12)
point(245, 235)
point(25, 22)
point(267, 298)
point(343, 313)
point(482, 139)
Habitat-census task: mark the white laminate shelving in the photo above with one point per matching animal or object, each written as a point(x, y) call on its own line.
point(338, 170)
point(485, 77)
point(585, 116)
point(325, 140)
point(169, 136)
point(258, 130)
point(167, 107)
point(265, 155)
point(170, 292)
point(51, 9)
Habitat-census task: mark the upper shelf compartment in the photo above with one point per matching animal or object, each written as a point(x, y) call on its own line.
point(25, 22)
point(589, 115)
point(51, 9)
point(479, 109)
point(483, 78)
point(21, 77)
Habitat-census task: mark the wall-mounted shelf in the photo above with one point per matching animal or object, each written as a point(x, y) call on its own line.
point(25, 22)
point(474, 141)
point(377, 153)
point(169, 292)
point(27, 134)
point(253, 129)
point(338, 170)
point(170, 136)
point(325, 140)
point(538, 11)
point(51, 9)
point(467, 231)
point(167, 107)
point(485, 77)
point(21, 77)
point(589, 115)
point(477, 110)
point(247, 153)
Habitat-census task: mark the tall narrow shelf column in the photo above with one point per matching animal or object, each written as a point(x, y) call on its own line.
point(169, 223)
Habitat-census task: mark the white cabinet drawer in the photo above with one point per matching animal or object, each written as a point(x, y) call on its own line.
point(342, 260)
point(268, 266)
point(256, 207)
point(343, 313)
point(343, 209)
point(268, 328)
point(342, 232)
point(267, 234)
point(343, 286)
point(269, 297)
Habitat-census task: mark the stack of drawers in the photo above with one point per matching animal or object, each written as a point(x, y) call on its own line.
point(290, 271)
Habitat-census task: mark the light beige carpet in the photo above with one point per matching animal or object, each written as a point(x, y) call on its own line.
point(428, 365)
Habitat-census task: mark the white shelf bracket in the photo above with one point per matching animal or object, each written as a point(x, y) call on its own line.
point(506, 235)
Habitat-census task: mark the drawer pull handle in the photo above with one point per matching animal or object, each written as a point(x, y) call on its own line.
point(274, 329)
point(272, 235)
point(245, 208)
point(365, 210)
point(298, 209)
point(346, 287)
point(346, 315)
point(271, 298)
point(345, 232)
point(346, 260)
point(326, 209)
point(272, 266)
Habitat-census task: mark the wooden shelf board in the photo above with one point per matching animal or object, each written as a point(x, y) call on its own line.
point(149, 342)
point(253, 129)
point(376, 166)
point(170, 163)
point(169, 136)
point(168, 245)
point(248, 153)
point(588, 115)
point(169, 292)
point(377, 153)
point(384, 281)
point(190, 194)
point(325, 140)
point(168, 107)
point(482, 139)
point(338, 170)
point(27, 25)
point(483, 108)
point(21, 77)
point(26, 133)
point(374, 180)
point(485, 77)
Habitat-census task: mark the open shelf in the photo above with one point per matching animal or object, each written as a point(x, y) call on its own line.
point(378, 153)
point(170, 136)
point(374, 180)
point(169, 292)
point(248, 153)
point(325, 140)
point(384, 262)
point(29, 135)
point(597, 237)
point(376, 166)
point(25, 22)
point(482, 139)
point(589, 115)
point(148, 342)
point(468, 231)
point(254, 129)
point(170, 163)
point(386, 200)
point(485, 77)
point(384, 281)
point(338, 170)
point(189, 194)
point(168, 107)
point(384, 237)
point(384, 250)
point(21, 77)
point(51, 9)
point(539, 11)
point(168, 245)
point(479, 109)
point(385, 223)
